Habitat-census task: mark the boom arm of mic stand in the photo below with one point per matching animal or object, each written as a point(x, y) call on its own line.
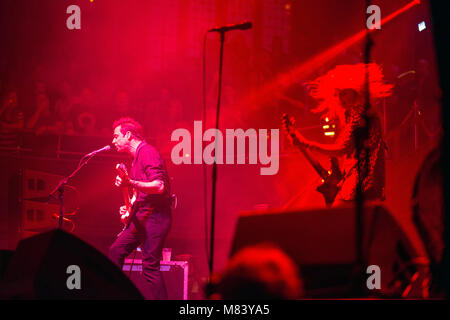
point(60, 188)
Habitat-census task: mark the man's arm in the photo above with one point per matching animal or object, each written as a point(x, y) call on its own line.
point(337, 149)
point(152, 187)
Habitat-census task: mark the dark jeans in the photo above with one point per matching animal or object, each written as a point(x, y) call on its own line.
point(151, 233)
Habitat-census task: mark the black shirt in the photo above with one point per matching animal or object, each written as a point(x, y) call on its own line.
point(147, 166)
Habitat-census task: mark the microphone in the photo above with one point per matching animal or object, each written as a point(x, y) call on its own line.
point(239, 26)
point(105, 148)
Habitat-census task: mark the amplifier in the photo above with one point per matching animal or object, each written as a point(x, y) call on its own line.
point(175, 275)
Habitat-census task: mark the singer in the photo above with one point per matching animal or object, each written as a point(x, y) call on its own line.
point(152, 213)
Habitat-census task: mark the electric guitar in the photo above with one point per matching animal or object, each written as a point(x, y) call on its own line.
point(129, 202)
point(331, 179)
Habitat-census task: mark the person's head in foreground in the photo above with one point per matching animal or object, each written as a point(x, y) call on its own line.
point(259, 272)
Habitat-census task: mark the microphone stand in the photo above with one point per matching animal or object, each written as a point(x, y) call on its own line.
point(60, 188)
point(362, 150)
point(214, 169)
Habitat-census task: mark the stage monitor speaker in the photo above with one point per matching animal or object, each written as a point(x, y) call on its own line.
point(323, 243)
point(58, 265)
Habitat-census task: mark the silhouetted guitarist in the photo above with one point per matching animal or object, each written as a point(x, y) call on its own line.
point(340, 93)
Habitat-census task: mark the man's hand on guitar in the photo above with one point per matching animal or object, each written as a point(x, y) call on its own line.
point(294, 135)
point(122, 182)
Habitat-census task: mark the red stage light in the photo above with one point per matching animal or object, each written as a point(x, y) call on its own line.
point(301, 71)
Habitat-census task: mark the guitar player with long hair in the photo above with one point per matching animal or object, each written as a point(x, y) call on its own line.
point(341, 98)
point(147, 217)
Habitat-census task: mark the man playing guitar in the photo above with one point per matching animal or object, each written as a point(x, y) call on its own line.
point(340, 92)
point(149, 221)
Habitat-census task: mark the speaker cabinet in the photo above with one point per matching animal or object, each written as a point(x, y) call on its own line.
point(175, 275)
